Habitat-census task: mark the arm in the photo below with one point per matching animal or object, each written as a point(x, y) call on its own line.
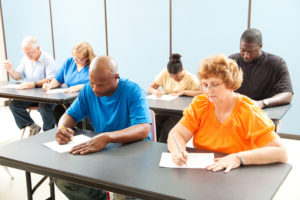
point(53, 84)
point(183, 135)
point(153, 89)
point(190, 93)
point(29, 85)
point(276, 100)
point(12, 72)
point(62, 136)
point(74, 88)
point(271, 153)
point(130, 134)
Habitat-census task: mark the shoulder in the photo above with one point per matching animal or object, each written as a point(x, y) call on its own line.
point(129, 86)
point(272, 59)
point(235, 56)
point(46, 57)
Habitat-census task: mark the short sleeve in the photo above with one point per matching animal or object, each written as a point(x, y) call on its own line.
point(138, 108)
point(283, 81)
point(159, 79)
point(50, 68)
point(59, 76)
point(21, 68)
point(259, 128)
point(78, 109)
point(192, 115)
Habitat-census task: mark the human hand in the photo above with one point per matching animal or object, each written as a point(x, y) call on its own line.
point(228, 163)
point(177, 93)
point(72, 89)
point(259, 104)
point(95, 144)
point(159, 93)
point(46, 87)
point(26, 85)
point(7, 65)
point(180, 158)
point(64, 135)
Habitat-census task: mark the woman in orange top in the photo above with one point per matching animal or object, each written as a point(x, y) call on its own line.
point(223, 121)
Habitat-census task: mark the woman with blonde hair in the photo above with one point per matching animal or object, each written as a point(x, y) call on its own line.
point(222, 120)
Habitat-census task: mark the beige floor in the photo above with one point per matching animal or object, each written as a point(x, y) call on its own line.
point(16, 189)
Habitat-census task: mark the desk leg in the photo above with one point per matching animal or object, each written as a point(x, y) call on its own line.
point(29, 186)
point(52, 191)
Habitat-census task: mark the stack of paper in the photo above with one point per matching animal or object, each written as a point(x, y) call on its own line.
point(163, 97)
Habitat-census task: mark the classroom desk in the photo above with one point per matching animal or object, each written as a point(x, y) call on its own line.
point(36, 95)
point(176, 106)
point(133, 169)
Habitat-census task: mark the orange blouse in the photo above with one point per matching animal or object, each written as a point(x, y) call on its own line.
point(246, 128)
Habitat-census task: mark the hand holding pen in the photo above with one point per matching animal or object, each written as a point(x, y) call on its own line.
point(64, 135)
point(179, 158)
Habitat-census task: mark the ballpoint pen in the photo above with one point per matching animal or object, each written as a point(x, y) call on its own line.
point(179, 150)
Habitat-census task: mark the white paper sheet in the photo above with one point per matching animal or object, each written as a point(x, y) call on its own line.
point(10, 86)
point(195, 160)
point(163, 97)
point(78, 139)
point(59, 90)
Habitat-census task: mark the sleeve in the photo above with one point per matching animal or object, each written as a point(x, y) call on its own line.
point(283, 83)
point(59, 76)
point(78, 108)
point(50, 68)
point(194, 83)
point(259, 128)
point(21, 68)
point(138, 108)
point(159, 79)
point(192, 115)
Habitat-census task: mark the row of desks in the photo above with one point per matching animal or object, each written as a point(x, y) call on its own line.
point(133, 169)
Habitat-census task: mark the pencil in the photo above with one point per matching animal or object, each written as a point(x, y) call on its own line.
point(179, 150)
point(63, 127)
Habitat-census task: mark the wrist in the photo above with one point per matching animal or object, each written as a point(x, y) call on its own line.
point(240, 158)
point(265, 103)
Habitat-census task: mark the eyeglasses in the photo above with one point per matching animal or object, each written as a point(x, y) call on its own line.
point(80, 60)
point(212, 86)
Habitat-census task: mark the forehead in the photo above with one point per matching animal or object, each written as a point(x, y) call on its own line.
point(27, 48)
point(211, 79)
point(98, 76)
point(248, 45)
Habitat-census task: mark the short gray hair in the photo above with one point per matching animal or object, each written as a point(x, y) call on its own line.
point(30, 41)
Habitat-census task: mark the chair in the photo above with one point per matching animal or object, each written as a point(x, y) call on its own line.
point(153, 126)
point(29, 110)
point(8, 172)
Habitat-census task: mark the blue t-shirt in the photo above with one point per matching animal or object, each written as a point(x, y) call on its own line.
point(69, 75)
point(126, 107)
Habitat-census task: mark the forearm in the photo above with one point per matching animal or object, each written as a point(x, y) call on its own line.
point(152, 90)
point(264, 155)
point(14, 74)
point(172, 147)
point(279, 99)
point(67, 121)
point(191, 93)
point(130, 134)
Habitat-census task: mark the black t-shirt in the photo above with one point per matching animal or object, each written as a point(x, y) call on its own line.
point(264, 77)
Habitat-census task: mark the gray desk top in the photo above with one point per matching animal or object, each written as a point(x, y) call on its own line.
point(36, 94)
point(133, 169)
point(176, 106)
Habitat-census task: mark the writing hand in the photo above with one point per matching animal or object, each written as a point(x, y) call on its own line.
point(64, 135)
point(226, 163)
point(159, 93)
point(180, 158)
point(95, 144)
point(46, 87)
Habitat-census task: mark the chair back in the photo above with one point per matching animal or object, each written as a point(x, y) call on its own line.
point(153, 126)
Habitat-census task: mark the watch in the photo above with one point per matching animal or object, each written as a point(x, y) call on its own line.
point(36, 84)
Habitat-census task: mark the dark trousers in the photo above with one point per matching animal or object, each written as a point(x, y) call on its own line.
point(23, 119)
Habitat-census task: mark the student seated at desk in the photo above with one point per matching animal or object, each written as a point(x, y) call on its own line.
point(74, 73)
point(118, 111)
point(222, 120)
point(174, 80)
point(36, 68)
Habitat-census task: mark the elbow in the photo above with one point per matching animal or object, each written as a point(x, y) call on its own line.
point(289, 97)
point(283, 155)
point(145, 130)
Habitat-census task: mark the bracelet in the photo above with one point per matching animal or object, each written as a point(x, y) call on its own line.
point(241, 159)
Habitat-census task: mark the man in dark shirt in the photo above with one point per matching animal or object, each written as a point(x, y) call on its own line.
point(266, 78)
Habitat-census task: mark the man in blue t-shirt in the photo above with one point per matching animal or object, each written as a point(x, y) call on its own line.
point(118, 111)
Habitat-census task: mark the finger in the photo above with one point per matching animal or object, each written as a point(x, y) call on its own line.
point(218, 168)
point(228, 169)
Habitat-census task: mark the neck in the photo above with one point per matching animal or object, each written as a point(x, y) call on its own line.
point(227, 104)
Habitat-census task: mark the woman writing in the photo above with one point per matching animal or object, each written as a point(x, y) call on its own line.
point(223, 121)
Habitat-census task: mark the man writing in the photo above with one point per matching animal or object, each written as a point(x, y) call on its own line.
point(118, 111)
point(35, 69)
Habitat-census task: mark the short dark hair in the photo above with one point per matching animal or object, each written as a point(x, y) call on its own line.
point(174, 64)
point(252, 35)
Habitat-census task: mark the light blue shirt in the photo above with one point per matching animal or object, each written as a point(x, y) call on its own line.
point(43, 68)
point(69, 75)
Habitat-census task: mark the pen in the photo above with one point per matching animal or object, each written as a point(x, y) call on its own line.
point(179, 150)
point(63, 127)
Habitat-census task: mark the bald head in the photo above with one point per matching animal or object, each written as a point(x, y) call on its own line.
point(104, 64)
